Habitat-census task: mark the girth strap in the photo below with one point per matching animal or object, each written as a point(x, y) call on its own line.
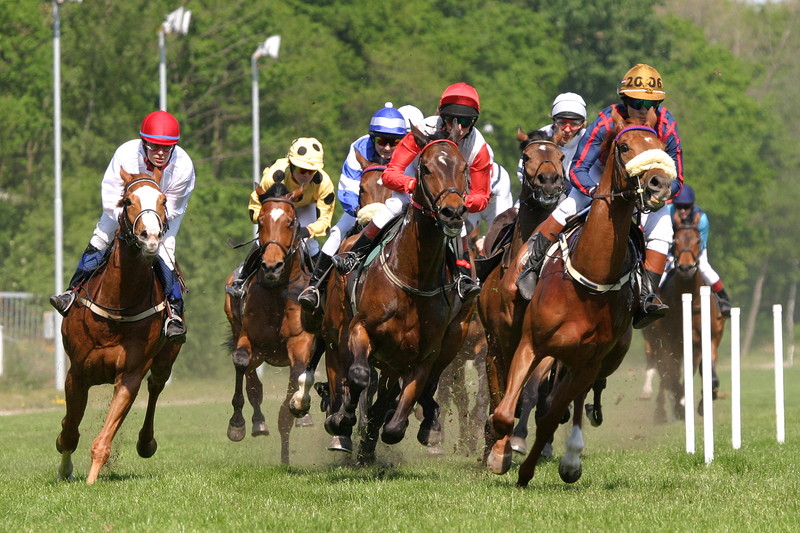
point(96, 309)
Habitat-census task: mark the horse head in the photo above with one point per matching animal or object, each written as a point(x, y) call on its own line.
point(371, 192)
point(143, 219)
point(442, 177)
point(277, 231)
point(642, 169)
point(686, 246)
point(543, 176)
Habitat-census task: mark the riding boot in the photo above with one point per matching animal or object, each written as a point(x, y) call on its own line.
point(537, 246)
point(311, 297)
point(237, 287)
point(346, 262)
point(651, 308)
point(467, 286)
point(723, 299)
point(91, 259)
point(174, 327)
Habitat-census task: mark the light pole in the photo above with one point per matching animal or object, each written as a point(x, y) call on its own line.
point(175, 22)
point(268, 48)
point(58, 230)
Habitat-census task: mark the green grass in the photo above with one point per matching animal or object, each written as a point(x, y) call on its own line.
point(636, 476)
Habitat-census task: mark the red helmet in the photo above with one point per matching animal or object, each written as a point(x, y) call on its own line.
point(160, 127)
point(460, 99)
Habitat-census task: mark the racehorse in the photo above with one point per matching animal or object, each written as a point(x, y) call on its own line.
point(113, 334)
point(265, 323)
point(371, 192)
point(664, 338)
point(581, 309)
point(500, 306)
point(407, 319)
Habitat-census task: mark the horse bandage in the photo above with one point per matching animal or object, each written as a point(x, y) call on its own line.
point(366, 213)
point(654, 159)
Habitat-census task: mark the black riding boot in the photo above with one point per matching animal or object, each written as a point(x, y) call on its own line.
point(467, 286)
point(537, 246)
point(651, 308)
point(174, 327)
point(348, 261)
point(724, 302)
point(311, 297)
point(250, 264)
point(91, 259)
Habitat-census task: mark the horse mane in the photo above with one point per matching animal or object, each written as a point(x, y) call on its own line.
point(532, 136)
point(423, 140)
point(279, 190)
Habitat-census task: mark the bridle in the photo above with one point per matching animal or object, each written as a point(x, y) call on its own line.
point(677, 253)
point(537, 194)
point(433, 208)
point(289, 251)
point(126, 226)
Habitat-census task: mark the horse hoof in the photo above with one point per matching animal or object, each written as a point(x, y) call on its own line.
point(430, 434)
point(392, 437)
point(498, 463)
point(547, 451)
point(595, 416)
point(365, 459)
point(568, 475)
point(338, 424)
point(259, 429)
point(304, 421)
point(300, 404)
point(660, 418)
point(435, 449)
point(236, 433)
point(340, 443)
point(146, 450)
point(518, 445)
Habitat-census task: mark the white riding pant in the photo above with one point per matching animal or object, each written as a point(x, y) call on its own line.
point(107, 227)
point(657, 225)
point(308, 215)
point(345, 224)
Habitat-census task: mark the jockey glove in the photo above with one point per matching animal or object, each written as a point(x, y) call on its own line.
point(410, 185)
point(304, 233)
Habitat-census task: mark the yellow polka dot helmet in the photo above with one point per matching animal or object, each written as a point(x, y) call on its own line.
point(306, 152)
point(642, 82)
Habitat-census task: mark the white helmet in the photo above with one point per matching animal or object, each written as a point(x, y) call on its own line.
point(412, 115)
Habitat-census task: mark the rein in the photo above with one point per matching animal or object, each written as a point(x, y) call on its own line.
point(433, 208)
point(127, 227)
point(637, 194)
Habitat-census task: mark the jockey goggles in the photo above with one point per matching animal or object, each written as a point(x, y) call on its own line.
point(166, 148)
point(464, 122)
point(383, 141)
point(572, 123)
point(637, 103)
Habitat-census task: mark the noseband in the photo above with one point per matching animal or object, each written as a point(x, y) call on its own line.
point(433, 209)
point(634, 190)
point(127, 227)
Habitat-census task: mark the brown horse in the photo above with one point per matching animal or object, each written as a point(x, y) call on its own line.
point(580, 313)
point(114, 332)
point(407, 319)
point(664, 338)
point(266, 325)
point(371, 192)
point(500, 306)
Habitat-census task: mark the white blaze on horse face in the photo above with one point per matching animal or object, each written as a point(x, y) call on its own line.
point(276, 213)
point(443, 157)
point(148, 199)
point(543, 148)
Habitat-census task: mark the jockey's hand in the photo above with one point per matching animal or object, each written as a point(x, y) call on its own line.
point(410, 185)
point(304, 233)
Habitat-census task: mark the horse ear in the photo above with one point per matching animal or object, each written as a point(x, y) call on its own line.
point(259, 190)
point(521, 135)
point(126, 178)
point(419, 137)
point(616, 118)
point(363, 161)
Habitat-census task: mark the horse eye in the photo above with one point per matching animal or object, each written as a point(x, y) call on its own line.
point(127, 202)
point(624, 148)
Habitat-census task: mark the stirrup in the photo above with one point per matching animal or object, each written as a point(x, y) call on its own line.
point(236, 289)
point(650, 310)
point(62, 302)
point(467, 287)
point(175, 330)
point(346, 262)
point(309, 298)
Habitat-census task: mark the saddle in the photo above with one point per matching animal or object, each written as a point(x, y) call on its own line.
point(497, 243)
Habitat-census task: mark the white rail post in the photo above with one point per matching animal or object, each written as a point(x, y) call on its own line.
point(778, 336)
point(688, 372)
point(736, 382)
point(708, 402)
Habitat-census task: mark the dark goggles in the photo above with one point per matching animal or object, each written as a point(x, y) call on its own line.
point(464, 122)
point(637, 103)
point(383, 141)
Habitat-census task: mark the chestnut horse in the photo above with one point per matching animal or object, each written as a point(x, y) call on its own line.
point(581, 309)
point(265, 323)
point(664, 337)
point(500, 306)
point(113, 334)
point(407, 319)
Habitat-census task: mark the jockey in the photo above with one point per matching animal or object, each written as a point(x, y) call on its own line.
point(684, 206)
point(567, 128)
point(157, 146)
point(302, 167)
point(459, 108)
point(386, 127)
point(641, 92)
point(499, 201)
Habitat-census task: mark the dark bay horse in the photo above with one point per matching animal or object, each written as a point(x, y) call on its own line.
point(266, 325)
point(581, 310)
point(664, 337)
point(114, 332)
point(500, 306)
point(371, 192)
point(407, 319)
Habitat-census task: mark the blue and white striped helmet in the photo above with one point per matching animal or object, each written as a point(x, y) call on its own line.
point(387, 121)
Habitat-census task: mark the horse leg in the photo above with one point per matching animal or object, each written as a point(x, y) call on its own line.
point(146, 446)
point(300, 402)
point(660, 414)
point(532, 393)
point(241, 360)
point(286, 420)
point(125, 391)
point(569, 468)
point(594, 411)
point(376, 415)
point(395, 428)
point(502, 419)
point(479, 413)
point(76, 393)
point(336, 391)
point(255, 395)
point(431, 433)
point(358, 376)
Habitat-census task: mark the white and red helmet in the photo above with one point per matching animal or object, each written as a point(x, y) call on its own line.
point(160, 127)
